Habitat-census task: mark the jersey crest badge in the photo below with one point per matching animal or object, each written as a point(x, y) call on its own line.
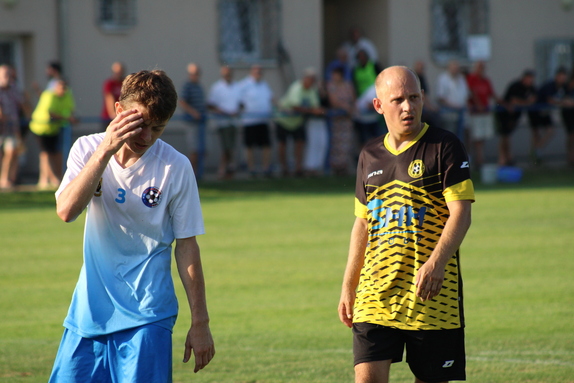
point(416, 169)
point(98, 192)
point(151, 197)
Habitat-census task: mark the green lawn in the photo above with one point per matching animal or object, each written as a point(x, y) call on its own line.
point(274, 255)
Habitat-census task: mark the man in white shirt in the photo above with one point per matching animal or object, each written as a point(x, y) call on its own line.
point(256, 99)
point(223, 102)
point(452, 96)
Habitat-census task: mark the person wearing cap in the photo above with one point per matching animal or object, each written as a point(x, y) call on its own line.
point(519, 95)
point(301, 101)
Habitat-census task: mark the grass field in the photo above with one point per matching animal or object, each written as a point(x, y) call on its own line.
point(274, 255)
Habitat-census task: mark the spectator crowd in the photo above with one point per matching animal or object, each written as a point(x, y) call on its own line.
point(316, 128)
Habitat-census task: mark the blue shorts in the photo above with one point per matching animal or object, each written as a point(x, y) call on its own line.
point(141, 354)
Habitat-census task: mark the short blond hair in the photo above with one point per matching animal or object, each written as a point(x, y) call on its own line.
point(153, 90)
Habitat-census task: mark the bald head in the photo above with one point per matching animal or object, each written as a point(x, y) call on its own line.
point(192, 68)
point(395, 74)
point(400, 101)
point(193, 72)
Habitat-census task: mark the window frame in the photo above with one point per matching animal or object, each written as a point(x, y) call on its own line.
point(472, 21)
point(109, 17)
point(259, 25)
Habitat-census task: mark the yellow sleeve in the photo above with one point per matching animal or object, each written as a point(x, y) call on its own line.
point(461, 191)
point(40, 123)
point(360, 209)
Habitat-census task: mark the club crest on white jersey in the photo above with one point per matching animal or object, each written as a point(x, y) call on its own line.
point(151, 197)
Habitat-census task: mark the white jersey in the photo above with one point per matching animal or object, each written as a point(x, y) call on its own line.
point(131, 223)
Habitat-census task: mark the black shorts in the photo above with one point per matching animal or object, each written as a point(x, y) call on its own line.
point(256, 135)
point(297, 134)
point(50, 144)
point(540, 119)
point(506, 122)
point(568, 119)
point(432, 355)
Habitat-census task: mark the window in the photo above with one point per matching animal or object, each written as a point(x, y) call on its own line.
point(455, 25)
point(552, 54)
point(116, 15)
point(11, 53)
point(248, 31)
point(6, 52)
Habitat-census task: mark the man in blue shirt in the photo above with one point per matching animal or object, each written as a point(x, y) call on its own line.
point(193, 103)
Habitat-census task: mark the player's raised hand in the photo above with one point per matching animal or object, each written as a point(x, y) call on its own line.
point(126, 124)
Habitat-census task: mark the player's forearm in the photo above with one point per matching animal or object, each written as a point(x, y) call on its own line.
point(79, 192)
point(453, 234)
point(197, 299)
point(357, 246)
point(190, 270)
point(351, 277)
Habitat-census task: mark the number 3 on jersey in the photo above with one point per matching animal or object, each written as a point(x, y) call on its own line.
point(121, 196)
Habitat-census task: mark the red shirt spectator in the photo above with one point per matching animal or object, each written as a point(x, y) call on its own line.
point(111, 91)
point(481, 92)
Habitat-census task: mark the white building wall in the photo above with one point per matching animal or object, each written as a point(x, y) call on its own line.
point(168, 35)
point(515, 25)
point(34, 24)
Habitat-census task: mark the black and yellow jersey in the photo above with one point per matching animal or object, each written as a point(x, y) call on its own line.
point(403, 195)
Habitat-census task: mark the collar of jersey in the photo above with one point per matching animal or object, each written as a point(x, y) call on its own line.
point(136, 165)
point(397, 152)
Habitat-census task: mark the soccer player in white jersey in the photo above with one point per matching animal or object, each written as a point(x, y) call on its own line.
point(141, 196)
